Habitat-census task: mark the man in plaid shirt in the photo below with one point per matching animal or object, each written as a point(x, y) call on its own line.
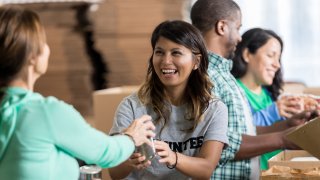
point(220, 21)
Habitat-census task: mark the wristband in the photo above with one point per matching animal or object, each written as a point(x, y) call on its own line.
point(175, 164)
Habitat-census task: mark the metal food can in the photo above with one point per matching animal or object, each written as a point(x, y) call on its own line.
point(90, 172)
point(146, 150)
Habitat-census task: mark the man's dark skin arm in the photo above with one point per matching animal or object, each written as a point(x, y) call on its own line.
point(252, 146)
point(271, 138)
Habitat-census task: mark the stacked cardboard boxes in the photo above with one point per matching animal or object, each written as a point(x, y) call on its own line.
point(122, 35)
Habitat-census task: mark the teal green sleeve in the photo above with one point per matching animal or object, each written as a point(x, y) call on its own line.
point(75, 136)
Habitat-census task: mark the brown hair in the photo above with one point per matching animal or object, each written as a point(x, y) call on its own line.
point(21, 37)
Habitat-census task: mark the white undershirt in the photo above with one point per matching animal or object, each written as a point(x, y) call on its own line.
point(251, 130)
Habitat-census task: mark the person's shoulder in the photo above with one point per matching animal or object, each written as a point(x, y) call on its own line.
point(52, 102)
point(217, 103)
point(50, 105)
point(132, 99)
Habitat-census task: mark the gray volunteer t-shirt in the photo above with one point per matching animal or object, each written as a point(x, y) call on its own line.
point(213, 127)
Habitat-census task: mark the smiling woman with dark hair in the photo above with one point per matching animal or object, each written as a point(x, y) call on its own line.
point(257, 68)
point(252, 41)
point(191, 125)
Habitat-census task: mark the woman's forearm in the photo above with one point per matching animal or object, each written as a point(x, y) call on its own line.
point(202, 166)
point(121, 171)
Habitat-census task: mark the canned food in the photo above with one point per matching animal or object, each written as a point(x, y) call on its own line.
point(146, 150)
point(90, 172)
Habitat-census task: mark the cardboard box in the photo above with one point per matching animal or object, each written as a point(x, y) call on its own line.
point(312, 90)
point(284, 159)
point(293, 87)
point(306, 137)
point(105, 103)
point(282, 165)
point(287, 173)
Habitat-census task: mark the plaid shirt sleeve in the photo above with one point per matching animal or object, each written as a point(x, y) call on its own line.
point(225, 88)
point(234, 128)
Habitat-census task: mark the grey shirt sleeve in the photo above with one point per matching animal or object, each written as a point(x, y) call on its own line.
point(218, 118)
point(123, 116)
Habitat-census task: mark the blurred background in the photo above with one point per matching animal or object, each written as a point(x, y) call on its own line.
point(98, 44)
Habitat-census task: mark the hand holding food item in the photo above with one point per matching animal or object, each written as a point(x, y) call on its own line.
point(289, 105)
point(309, 103)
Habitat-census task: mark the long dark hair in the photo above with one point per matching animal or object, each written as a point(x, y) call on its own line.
point(21, 37)
point(253, 39)
point(198, 90)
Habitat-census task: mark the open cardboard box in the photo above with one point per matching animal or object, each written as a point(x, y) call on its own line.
point(284, 158)
point(306, 137)
point(282, 165)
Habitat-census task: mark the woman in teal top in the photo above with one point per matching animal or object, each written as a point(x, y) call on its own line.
point(39, 137)
point(256, 66)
